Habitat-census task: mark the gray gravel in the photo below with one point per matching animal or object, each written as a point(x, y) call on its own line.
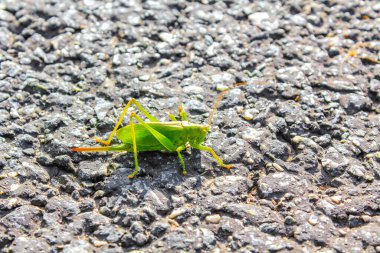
point(306, 145)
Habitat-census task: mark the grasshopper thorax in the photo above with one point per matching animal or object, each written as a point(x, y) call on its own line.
point(196, 133)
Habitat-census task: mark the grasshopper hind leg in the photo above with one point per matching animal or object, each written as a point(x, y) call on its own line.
point(120, 120)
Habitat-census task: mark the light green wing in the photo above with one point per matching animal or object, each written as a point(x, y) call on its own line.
point(174, 131)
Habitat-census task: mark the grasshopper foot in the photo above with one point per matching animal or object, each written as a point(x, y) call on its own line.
point(228, 166)
point(105, 143)
point(133, 174)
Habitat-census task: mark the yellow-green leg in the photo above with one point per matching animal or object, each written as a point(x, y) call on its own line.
point(139, 106)
point(217, 158)
point(172, 117)
point(179, 149)
point(134, 173)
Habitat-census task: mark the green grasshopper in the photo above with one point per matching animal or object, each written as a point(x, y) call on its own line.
point(172, 136)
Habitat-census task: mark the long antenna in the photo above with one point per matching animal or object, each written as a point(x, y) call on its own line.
point(221, 96)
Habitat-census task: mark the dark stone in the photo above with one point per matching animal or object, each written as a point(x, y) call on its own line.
point(276, 185)
point(141, 239)
point(334, 163)
point(86, 205)
point(29, 244)
point(78, 246)
point(229, 226)
point(354, 103)
point(25, 218)
point(26, 141)
point(159, 228)
point(5, 237)
point(157, 200)
point(92, 171)
point(276, 149)
point(63, 205)
point(56, 235)
point(39, 200)
point(89, 221)
point(127, 240)
point(137, 227)
point(109, 233)
point(354, 221)
point(65, 162)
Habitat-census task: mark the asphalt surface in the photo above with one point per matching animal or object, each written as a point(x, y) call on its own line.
point(303, 137)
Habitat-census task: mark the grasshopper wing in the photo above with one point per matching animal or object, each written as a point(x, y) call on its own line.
point(145, 140)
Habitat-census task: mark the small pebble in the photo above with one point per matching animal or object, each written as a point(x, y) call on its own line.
point(336, 199)
point(144, 78)
point(12, 174)
point(277, 167)
point(214, 219)
point(247, 115)
point(366, 218)
point(14, 187)
point(12, 203)
point(221, 87)
point(313, 220)
point(289, 220)
point(99, 243)
point(177, 212)
point(343, 231)
point(99, 194)
point(297, 139)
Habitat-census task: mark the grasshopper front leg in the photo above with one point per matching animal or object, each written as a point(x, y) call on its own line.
point(172, 117)
point(134, 173)
point(182, 113)
point(179, 149)
point(139, 106)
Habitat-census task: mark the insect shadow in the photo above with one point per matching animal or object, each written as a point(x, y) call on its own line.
point(154, 165)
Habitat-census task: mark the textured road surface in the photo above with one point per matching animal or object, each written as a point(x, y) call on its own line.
point(305, 144)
